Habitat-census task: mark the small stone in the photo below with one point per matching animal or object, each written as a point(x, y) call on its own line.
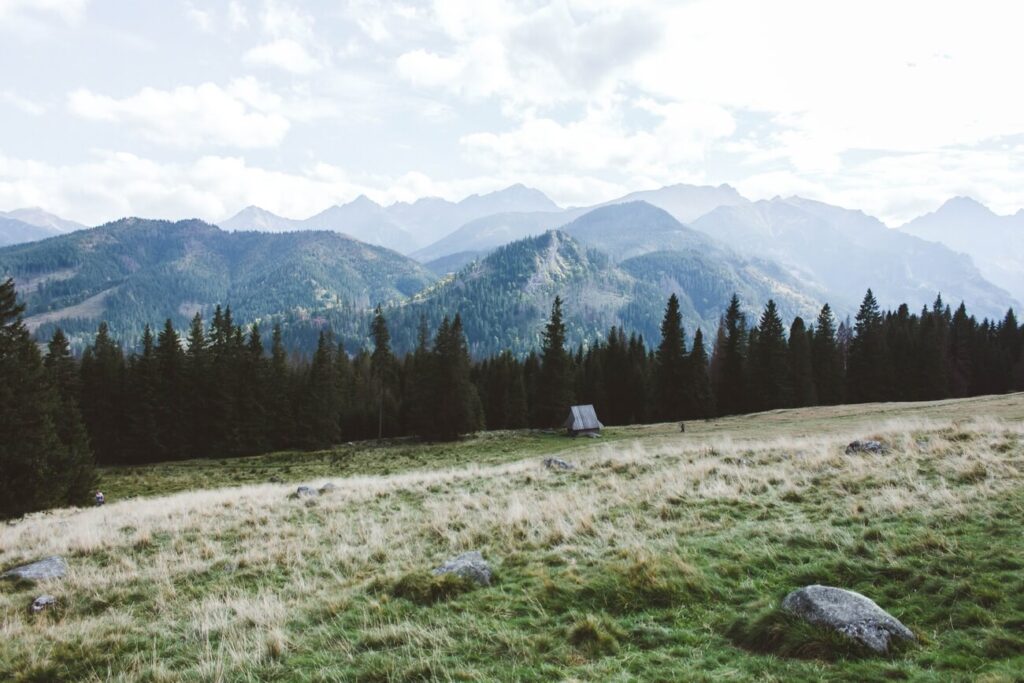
point(470, 566)
point(558, 464)
point(851, 614)
point(275, 480)
point(327, 488)
point(306, 492)
point(47, 568)
point(875, 447)
point(41, 603)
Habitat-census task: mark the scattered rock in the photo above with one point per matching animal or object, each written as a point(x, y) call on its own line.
point(558, 464)
point(470, 566)
point(876, 447)
point(47, 568)
point(41, 603)
point(851, 614)
point(305, 492)
point(327, 488)
point(276, 480)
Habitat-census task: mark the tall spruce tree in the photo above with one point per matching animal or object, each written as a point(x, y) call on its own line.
point(800, 365)
point(457, 405)
point(670, 380)
point(826, 360)
point(385, 375)
point(78, 468)
point(554, 390)
point(31, 451)
point(700, 399)
point(868, 366)
point(103, 398)
point(170, 406)
point(770, 363)
point(730, 361)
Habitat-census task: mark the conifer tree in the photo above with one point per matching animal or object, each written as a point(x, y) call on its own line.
point(280, 393)
point(457, 405)
point(169, 403)
point(770, 363)
point(701, 403)
point(31, 451)
point(868, 373)
point(730, 390)
point(554, 390)
point(103, 398)
point(385, 375)
point(826, 359)
point(800, 366)
point(77, 471)
point(321, 398)
point(670, 379)
point(422, 384)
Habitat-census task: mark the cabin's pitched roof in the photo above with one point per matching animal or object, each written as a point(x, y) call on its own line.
point(582, 417)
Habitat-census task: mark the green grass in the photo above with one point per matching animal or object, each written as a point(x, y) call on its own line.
point(663, 557)
point(390, 456)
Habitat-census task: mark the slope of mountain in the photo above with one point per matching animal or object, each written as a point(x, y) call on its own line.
point(14, 231)
point(402, 226)
point(995, 242)
point(490, 232)
point(842, 253)
point(134, 271)
point(365, 220)
point(505, 298)
point(635, 228)
point(686, 202)
point(261, 220)
point(31, 224)
point(34, 215)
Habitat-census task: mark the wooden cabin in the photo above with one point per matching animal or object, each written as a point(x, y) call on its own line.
point(582, 420)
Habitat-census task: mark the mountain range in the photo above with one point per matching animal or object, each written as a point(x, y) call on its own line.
point(403, 227)
point(507, 255)
point(995, 242)
point(134, 271)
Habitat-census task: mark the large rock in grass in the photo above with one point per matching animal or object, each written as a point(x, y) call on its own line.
point(851, 614)
point(47, 568)
point(874, 447)
point(470, 566)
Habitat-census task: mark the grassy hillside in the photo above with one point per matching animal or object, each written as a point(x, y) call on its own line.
point(661, 557)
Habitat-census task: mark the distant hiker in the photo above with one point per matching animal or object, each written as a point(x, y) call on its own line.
point(682, 426)
point(100, 499)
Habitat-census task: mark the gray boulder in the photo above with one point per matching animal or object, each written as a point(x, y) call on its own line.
point(41, 603)
point(875, 447)
point(47, 568)
point(306, 492)
point(558, 464)
point(327, 488)
point(470, 566)
point(851, 614)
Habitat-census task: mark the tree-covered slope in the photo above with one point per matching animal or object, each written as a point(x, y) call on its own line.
point(505, 298)
point(135, 271)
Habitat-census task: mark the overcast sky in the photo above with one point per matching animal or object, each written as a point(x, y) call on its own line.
point(173, 108)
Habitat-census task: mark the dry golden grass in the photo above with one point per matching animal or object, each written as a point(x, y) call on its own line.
point(222, 584)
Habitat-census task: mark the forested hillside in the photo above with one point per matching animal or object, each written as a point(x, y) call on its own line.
point(132, 272)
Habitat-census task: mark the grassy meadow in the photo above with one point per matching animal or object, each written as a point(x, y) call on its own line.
point(662, 557)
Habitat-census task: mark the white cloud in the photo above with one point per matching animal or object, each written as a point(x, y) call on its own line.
point(202, 19)
point(23, 103)
point(69, 11)
point(238, 17)
point(241, 115)
point(283, 53)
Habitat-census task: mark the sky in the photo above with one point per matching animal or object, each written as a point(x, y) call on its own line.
point(183, 108)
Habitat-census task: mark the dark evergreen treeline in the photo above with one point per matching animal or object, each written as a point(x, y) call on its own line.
point(223, 391)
